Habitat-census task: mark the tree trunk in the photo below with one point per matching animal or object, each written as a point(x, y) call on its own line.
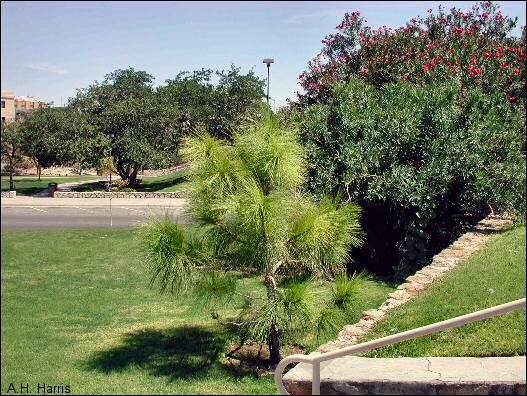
point(274, 345)
point(122, 171)
point(128, 172)
point(274, 337)
point(11, 184)
point(39, 170)
point(132, 180)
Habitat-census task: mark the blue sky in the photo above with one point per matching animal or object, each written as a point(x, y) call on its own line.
point(51, 48)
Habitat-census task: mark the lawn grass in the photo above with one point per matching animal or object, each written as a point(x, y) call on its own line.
point(77, 309)
point(29, 185)
point(492, 276)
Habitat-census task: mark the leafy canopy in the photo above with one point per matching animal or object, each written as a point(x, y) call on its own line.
point(138, 128)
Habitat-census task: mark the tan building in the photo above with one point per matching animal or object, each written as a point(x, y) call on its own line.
point(8, 106)
point(28, 103)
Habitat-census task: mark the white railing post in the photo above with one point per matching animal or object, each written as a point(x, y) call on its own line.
point(315, 381)
point(389, 340)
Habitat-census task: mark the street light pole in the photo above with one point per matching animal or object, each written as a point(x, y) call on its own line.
point(268, 67)
point(268, 62)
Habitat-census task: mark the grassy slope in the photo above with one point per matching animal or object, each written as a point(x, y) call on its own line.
point(492, 276)
point(77, 309)
point(171, 182)
point(29, 185)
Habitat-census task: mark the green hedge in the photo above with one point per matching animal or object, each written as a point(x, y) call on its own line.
point(424, 162)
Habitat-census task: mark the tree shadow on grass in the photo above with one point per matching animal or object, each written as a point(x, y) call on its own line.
point(140, 186)
point(159, 185)
point(175, 353)
point(183, 352)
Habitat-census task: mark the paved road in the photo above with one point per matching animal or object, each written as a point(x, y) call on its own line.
point(43, 213)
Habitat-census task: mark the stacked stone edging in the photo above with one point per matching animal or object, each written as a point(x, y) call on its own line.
point(105, 194)
point(8, 194)
point(447, 259)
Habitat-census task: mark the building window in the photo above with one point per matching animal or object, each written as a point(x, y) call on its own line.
point(32, 105)
point(3, 104)
point(3, 120)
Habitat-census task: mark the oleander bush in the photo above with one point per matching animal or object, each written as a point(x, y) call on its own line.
point(475, 47)
point(422, 125)
point(424, 163)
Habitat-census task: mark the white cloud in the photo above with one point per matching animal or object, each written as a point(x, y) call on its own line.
point(311, 17)
point(46, 67)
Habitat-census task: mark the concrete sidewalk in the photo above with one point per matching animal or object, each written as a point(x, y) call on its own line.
point(352, 375)
point(74, 202)
point(63, 187)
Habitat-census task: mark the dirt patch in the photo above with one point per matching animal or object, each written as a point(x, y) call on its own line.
point(254, 357)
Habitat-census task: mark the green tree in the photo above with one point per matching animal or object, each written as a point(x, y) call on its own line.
point(238, 97)
point(82, 145)
point(221, 107)
point(41, 139)
point(140, 127)
point(11, 147)
point(252, 216)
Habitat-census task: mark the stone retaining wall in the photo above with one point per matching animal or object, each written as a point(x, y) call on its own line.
point(8, 194)
point(164, 172)
point(447, 259)
point(104, 194)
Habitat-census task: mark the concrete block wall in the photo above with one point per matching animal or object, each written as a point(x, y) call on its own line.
point(8, 194)
point(104, 194)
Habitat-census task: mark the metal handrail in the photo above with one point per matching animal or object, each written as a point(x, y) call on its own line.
point(392, 339)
